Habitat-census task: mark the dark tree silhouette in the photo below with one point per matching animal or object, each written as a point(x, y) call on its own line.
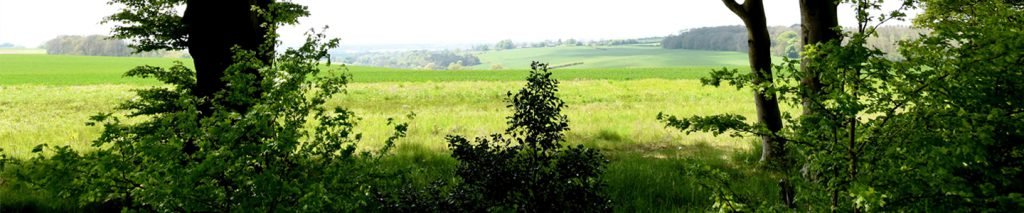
point(752, 13)
point(213, 28)
point(213, 32)
point(209, 30)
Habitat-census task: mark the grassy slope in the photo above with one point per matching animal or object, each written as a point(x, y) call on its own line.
point(611, 57)
point(89, 70)
point(47, 99)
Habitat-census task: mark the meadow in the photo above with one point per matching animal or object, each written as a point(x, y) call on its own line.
point(612, 57)
point(48, 99)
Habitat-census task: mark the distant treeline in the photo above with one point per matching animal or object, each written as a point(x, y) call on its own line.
point(417, 59)
point(785, 40)
point(509, 44)
point(99, 45)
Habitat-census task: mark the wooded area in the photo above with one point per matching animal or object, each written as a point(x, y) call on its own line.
point(785, 40)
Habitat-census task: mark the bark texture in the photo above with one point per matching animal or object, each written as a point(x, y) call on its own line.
point(753, 15)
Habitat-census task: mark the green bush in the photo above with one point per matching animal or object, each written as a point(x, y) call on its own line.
point(286, 151)
point(526, 169)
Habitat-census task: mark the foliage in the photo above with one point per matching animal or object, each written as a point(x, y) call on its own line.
point(287, 153)
point(526, 169)
point(785, 40)
point(965, 81)
point(151, 25)
point(939, 130)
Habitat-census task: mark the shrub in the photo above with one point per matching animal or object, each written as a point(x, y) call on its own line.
point(286, 151)
point(528, 168)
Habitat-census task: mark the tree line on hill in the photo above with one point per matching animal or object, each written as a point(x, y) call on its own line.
point(784, 40)
point(416, 59)
point(509, 44)
point(99, 45)
point(8, 45)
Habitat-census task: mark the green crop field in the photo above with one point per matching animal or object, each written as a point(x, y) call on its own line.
point(48, 99)
point(87, 70)
point(611, 57)
point(21, 51)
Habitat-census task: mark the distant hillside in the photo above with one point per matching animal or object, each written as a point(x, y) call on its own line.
point(609, 57)
point(785, 40)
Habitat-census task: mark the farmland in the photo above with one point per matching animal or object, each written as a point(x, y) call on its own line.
point(47, 99)
point(612, 57)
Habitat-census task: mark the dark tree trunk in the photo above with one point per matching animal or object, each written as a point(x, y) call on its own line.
point(819, 23)
point(214, 27)
point(752, 13)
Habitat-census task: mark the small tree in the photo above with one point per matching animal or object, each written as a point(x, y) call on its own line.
point(455, 65)
point(528, 168)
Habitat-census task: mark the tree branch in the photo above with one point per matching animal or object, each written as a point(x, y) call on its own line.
point(737, 8)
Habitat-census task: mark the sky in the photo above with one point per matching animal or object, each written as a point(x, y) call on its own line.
point(30, 23)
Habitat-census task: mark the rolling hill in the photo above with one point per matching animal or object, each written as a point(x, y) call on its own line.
point(611, 57)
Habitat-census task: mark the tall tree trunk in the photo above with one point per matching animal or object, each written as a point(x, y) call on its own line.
point(214, 27)
point(819, 22)
point(752, 13)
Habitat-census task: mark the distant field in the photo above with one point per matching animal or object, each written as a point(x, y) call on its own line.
point(46, 98)
point(21, 51)
point(633, 56)
point(88, 70)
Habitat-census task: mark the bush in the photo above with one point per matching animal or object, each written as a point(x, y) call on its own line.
point(285, 151)
point(526, 169)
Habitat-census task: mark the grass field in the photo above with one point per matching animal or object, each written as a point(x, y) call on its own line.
point(21, 51)
point(611, 57)
point(90, 70)
point(47, 99)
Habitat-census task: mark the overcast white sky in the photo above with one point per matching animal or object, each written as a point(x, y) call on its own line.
point(372, 22)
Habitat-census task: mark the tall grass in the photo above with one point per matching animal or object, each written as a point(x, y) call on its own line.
point(610, 109)
point(97, 70)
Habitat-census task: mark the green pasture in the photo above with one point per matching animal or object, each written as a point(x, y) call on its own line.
point(48, 99)
point(611, 57)
point(90, 70)
point(21, 51)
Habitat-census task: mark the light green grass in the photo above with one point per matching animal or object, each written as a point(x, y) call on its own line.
point(47, 99)
point(22, 51)
point(72, 70)
point(604, 113)
point(611, 57)
point(92, 70)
